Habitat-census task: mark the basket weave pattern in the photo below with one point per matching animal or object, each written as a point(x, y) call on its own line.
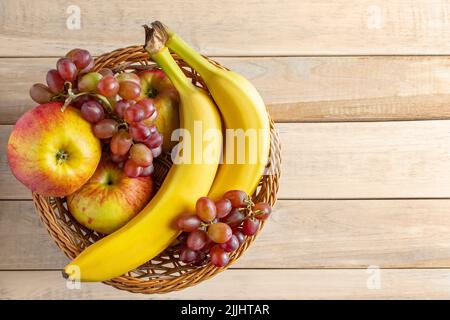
point(165, 272)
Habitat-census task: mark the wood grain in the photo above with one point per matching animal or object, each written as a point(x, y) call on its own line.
point(252, 285)
point(341, 160)
point(313, 234)
point(299, 89)
point(309, 27)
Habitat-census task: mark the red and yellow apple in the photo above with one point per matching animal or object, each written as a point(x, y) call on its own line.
point(53, 152)
point(109, 199)
point(157, 86)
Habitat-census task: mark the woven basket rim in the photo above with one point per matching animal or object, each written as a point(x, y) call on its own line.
point(58, 223)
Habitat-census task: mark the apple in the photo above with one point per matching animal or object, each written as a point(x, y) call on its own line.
point(157, 86)
point(53, 152)
point(109, 199)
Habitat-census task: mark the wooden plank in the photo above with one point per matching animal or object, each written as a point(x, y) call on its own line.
point(341, 160)
point(308, 27)
point(299, 88)
point(251, 284)
point(313, 234)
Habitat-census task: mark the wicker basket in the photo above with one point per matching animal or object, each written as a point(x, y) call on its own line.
point(165, 272)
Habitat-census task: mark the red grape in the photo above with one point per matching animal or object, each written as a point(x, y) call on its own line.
point(89, 81)
point(128, 76)
point(139, 131)
point(121, 142)
point(79, 101)
point(106, 72)
point(148, 107)
point(67, 69)
point(141, 154)
point(231, 245)
point(188, 222)
point(88, 68)
point(234, 218)
point(133, 114)
point(197, 240)
point(131, 169)
point(187, 255)
point(147, 171)
point(239, 235)
point(129, 90)
point(120, 107)
point(118, 158)
point(92, 111)
point(108, 86)
point(156, 151)
point(205, 209)
point(80, 57)
point(223, 207)
point(40, 93)
point(250, 226)
point(201, 257)
point(237, 198)
point(219, 257)
point(54, 81)
point(154, 141)
point(105, 128)
point(264, 210)
point(219, 232)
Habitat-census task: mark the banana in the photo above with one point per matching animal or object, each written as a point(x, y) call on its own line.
point(242, 108)
point(151, 231)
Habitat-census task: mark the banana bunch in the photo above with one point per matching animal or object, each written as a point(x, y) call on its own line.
point(243, 162)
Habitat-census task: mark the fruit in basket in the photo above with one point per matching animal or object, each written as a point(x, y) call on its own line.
point(157, 86)
point(152, 230)
point(242, 108)
point(53, 152)
point(109, 199)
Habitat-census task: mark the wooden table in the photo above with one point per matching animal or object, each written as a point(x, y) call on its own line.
point(364, 208)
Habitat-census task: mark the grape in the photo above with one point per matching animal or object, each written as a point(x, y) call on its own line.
point(121, 142)
point(105, 128)
point(40, 93)
point(79, 101)
point(156, 151)
point(129, 90)
point(265, 209)
point(92, 111)
point(89, 81)
point(188, 222)
point(133, 114)
point(182, 237)
point(187, 255)
point(250, 226)
point(106, 72)
point(197, 240)
point(108, 86)
point(237, 198)
point(219, 232)
point(223, 207)
point(234, 218)
point(148, 107)
point(153, 128)
point(89, 67)
point(131, 169)
point(205, 209)
point(80, 57)
point(139, 131)
point(201, 257)
point(118, 158)
point(147, 171)
point(154, 141)
point(54, 81)
point(231, 245)
point(67, 69)
point(219, 257)
point(120, 107)
point(141, 154)
point(239, 235)
point(128, 76)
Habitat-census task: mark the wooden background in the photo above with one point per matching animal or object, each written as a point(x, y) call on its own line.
point(361, 186)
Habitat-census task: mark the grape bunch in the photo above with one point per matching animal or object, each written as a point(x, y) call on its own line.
point(121, 116)
point(219, 228)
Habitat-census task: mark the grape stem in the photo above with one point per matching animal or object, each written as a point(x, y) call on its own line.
point(72, 96)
